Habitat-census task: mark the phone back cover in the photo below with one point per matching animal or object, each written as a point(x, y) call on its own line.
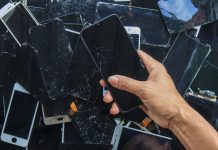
point(153, 30)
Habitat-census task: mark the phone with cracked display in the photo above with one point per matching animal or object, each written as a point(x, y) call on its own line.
point(20, 117)
point(112, 52)
point(129, 138)
point(18, 19)
point(134, 35)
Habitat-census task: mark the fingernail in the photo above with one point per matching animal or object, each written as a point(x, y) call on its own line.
point(113, 80)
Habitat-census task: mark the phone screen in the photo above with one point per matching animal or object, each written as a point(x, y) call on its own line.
point(20, 115)
point(2, 109)
point(134, 139)
point(135, 40)
point(19, 22)
point(112, 51)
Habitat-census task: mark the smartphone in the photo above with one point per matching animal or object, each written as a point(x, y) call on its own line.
point(18, 19)
point(129, 138)
point(134, 34)
point(112, 52)
point(20, 117)
point(192, 53)
point(2, 106)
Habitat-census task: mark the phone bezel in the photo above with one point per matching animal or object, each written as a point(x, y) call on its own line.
point(7, 137)
point(134, 30)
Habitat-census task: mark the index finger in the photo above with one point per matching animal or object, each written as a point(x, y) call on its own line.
point(149, 62)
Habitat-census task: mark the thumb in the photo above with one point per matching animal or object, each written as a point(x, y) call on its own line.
point(125, 83)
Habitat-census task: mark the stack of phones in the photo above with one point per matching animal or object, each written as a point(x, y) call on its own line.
point(52, 59)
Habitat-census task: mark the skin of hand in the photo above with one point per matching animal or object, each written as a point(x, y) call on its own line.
point(163, 104)
point(154, 92)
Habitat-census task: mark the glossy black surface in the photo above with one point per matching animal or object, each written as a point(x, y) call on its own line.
point(72, 18)
point(93, 124)
point(113, 53)
point(207, 78)
point(184, 60)
point(19, 22)
point(134, 139)
point(152, 4)
point(53, 52)
point(180, 15)
point(153, 32)
point(2, 109)
point(71, 135)
point(38, 3)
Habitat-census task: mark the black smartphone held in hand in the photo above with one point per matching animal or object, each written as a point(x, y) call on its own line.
point(113, 53)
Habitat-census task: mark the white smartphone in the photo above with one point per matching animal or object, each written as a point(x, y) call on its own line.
point(134, 34)
point(51, 119)
point(20, 117)
point(124, 137)
point(18, 19)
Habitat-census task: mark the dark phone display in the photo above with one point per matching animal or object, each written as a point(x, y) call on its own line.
point(191, 53)
point(19, 22)
point(134, 139)
point(135, 40)
point(20, 115)
point(1, 105)
point(113, 53)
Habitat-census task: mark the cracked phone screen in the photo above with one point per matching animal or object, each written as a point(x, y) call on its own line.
point(85, 7)
point(186, 14)
point(153, 31)
point(19, 21)
point(191, 53)
point(135, 139)
point(113, 53)
point(76, 146)
point(82, 77)
point(53, 52)
point(94, 126)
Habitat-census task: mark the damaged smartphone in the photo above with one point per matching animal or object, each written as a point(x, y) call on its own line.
point(129, 138)
point(150, 22)
point(54, 53)
point(111, 50)
point(18, 19)
point(19, 122)
point(191, 53)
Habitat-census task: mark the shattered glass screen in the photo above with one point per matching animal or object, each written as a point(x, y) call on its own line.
point(113, 52)
point(19, 22)
point(134, 139)
point(180, 15)
point(82, 77)
point(94, 126)
point(19, 120)
point(185, 59)
point(153, 31)
point(54, 54)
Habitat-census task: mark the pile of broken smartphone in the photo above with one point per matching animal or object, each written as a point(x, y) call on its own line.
point(54, 53)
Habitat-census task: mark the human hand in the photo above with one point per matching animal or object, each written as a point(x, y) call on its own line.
point(161, 100)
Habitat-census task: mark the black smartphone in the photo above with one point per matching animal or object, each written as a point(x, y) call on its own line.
point(79, 146)
point(113, 53)
point(191, 53)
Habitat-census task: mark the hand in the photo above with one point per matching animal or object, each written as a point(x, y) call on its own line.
point(161, 100)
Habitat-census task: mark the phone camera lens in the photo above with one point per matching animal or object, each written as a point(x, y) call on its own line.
point(14, 140)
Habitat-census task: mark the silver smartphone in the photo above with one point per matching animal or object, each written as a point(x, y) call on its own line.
point(126, 137)
point(20, 117)
point(18, 19)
